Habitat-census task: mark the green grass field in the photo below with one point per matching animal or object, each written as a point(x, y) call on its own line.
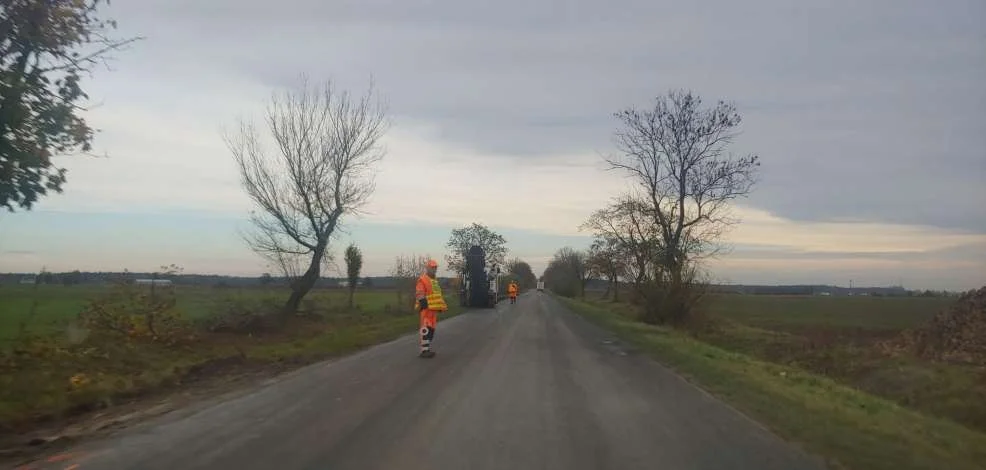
point(37, 369)
point(845, 339)
point(811, 369)
point(807, 366)
point(793, 312)
point(51, 308)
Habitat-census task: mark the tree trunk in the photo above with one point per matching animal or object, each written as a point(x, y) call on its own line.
point(352, 293)
point(301, 286)
point(616, 289)
point(652, 303)
point(675, 304)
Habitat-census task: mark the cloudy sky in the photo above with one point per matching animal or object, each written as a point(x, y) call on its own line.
point(868, 117)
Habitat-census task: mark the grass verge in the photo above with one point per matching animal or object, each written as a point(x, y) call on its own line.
point(850, 428)
point(47, 378)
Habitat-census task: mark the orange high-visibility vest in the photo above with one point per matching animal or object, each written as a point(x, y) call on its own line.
point(429, 288)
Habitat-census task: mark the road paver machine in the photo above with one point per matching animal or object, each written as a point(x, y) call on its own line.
point(479, 286)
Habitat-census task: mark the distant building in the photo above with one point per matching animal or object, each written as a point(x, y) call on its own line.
point(29, 280)
point(155, 282)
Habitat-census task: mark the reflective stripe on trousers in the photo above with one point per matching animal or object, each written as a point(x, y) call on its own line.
point(427, 328)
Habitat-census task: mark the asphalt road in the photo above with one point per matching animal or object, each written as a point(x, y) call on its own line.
point(524, 386)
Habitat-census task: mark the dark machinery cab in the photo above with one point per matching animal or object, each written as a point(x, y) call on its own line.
point(478, 286)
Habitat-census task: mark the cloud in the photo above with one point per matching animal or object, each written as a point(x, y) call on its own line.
point(770, 249)
point(867, 115)
point(423, 182)
point(863, 111)
point(960, 267)
point(759, 227)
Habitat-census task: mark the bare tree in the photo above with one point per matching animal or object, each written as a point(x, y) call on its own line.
point(354, 264)
point(559, 279)
point(676, 154)
point(291, 265)
point(577, 264)
point(522, 273)
point(606, 260)
point(326, 144)
point(635, 243)
point(405, 271)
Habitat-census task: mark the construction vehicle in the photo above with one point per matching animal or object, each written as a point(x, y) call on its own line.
point(479, 287)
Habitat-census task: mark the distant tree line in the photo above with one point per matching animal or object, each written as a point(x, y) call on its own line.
point(596, 285)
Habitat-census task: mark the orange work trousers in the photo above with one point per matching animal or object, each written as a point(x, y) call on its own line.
point(429, 318)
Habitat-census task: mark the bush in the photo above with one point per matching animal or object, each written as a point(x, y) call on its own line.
point(138, 313)
point(245, 317)
point(956, 334)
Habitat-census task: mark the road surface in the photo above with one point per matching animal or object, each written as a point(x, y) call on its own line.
point(523, 386)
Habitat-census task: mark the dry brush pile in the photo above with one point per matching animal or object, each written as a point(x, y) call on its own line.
point(956, 334)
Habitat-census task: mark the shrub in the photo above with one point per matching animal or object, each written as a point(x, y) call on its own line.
point(138, 313)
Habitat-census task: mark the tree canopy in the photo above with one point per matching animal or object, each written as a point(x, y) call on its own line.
point(476, 234)
point(683, 181)
point(322, 169)
point(522, 271)
point(45, 49)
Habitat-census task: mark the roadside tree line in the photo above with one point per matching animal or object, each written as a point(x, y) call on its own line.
point(655, 236)
point(311, 164)
point(407, 267)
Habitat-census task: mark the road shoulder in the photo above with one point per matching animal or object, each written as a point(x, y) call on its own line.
point(707, 432)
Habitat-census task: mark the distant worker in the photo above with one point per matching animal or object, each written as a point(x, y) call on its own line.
point(428, 294)
point(512, 291)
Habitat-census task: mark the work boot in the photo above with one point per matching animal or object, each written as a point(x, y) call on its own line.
point(427, 354)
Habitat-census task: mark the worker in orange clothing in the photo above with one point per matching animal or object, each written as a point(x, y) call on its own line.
point(428, 294)
point(512, 291)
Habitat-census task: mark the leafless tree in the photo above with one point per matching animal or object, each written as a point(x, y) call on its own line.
point(577, 264)
point(558, 278)
point(405, 271)
point(676, 155)
point(522, 273)
point(636, 243)
point(607, 260)
point(291, 265)
point(325, 143)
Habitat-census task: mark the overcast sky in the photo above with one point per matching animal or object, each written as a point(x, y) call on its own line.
point(868, 117)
